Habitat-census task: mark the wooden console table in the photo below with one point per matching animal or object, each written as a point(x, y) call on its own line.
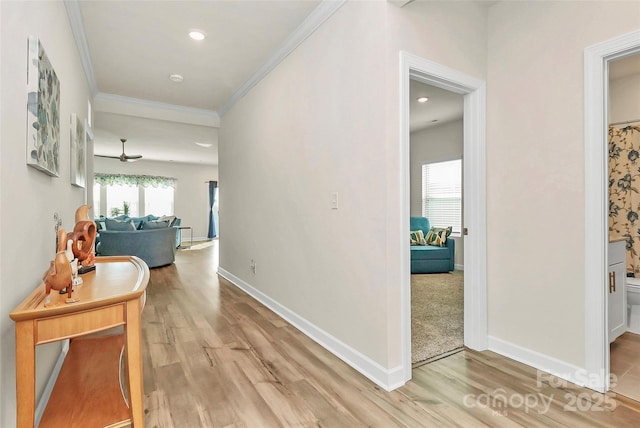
point(112, 295)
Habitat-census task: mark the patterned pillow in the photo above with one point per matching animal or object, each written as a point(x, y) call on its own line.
point(170, 218)
point(437, 236)
point(417, 238)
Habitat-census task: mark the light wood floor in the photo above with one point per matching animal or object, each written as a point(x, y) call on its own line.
point(625, 364)
point(214, 357)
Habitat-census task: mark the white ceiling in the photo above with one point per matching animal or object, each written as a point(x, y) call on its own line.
point(136, 45)
point(129, 48)
point(443, 106)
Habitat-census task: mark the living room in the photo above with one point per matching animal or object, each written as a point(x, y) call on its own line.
point(346, 144)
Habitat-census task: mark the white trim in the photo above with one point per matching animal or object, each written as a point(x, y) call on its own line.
point(319, 15)
point(544, 363)
point(475, 274)
point(112, 103)
point(596, 59)
point(388, 379)
point(48, 389)
point(77, 28)
point(399, 3)
point(458, 267)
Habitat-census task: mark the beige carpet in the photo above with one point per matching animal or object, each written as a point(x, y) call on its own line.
point(437, 314)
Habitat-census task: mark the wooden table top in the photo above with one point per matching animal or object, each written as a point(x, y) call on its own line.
point(116, 279)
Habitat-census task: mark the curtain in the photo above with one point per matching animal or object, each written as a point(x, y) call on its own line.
point(212, 200)
point(624, 191)
point(134, 180)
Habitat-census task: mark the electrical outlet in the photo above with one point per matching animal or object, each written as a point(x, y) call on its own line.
point(252, 266)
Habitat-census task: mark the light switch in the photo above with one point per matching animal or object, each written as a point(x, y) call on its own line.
point(334, 200)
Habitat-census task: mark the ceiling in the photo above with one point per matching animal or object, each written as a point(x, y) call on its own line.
point(443, 106)
point(130, 48)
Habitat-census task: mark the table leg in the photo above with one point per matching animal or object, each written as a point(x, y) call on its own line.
point(134, 363)
point(25, 373)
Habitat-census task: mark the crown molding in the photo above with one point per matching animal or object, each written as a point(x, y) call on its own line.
point(77, 28)
point(399, 3)
point(111, 103)
point(318, 16)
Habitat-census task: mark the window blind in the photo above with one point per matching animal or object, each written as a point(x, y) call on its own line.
point(442, 194)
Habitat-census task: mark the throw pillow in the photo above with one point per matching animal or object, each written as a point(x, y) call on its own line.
point(170, 218)
point(437, 236)
point(155, 224)
point(417, 237)
point(111, 224)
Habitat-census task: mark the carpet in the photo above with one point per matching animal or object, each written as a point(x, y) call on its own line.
point(437, 314)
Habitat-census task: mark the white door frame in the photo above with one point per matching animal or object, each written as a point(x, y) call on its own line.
point(475, 253)
point(596, 76)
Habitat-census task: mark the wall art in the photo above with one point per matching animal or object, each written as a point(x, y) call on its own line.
point(43, 111)
point(78, 152)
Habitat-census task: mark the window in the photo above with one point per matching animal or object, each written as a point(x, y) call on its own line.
point(158, 200)
point(118, 195)
point(442, 194)
point(142, 195)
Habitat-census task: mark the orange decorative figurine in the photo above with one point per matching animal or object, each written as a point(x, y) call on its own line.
point(58, 276)
point(83, 237)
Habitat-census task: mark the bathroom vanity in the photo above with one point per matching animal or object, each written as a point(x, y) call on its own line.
point(617, 296)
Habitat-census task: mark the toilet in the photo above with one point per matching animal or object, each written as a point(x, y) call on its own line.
point(633, 304)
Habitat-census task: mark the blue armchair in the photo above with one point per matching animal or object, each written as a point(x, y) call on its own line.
point(429, 258)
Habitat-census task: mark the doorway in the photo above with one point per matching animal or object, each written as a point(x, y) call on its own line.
point(623, 113)
point(437, 292)
point(597, 58)
point(475, 265)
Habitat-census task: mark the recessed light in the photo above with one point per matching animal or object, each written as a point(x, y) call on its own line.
point(197, 35)
point(422, 99)
point(203, 144)
point(176, 78)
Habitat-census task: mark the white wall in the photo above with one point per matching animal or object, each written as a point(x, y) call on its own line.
point(535, 168)
point(434, 144)
point(624, 99)
point(29, 198)
point(191, 197)
point(333, 128)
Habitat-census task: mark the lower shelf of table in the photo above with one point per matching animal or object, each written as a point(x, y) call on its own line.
point(87, 392)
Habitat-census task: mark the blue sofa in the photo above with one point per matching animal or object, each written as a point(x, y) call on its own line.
point(137, 222)
point(429, 258)
point(157, 247)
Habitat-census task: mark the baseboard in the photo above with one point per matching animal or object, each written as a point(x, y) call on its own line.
point(544, 363)
point(48, 389)
point(387, 379)
point(458, 267)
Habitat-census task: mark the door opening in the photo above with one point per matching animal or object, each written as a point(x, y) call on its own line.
point(436, 195)
point(475, 266)
point(597, 57)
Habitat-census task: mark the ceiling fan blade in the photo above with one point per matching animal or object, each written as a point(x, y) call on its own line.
point(105, 156)
point(129, 159)
point(133, 157)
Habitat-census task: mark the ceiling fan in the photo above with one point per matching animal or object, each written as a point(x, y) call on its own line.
point(123, 157)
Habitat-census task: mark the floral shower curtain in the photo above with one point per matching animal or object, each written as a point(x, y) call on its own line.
point(624, 191)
